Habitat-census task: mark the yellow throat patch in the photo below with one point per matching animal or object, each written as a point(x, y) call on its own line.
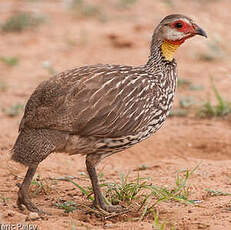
point(168, 50)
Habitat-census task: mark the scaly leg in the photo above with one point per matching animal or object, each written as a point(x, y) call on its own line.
point(91, 161)
point(23, 196)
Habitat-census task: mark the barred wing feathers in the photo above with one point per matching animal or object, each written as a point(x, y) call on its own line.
point(99, 101)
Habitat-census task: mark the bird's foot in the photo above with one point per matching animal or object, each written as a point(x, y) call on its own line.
point(109, 208)
point(25, 200)
point(114, 208)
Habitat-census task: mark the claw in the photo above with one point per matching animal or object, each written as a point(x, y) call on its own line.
point(25, 200)
point(115, 208)
point(23, 196)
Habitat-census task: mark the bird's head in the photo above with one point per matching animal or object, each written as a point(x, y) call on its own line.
point(173, 30)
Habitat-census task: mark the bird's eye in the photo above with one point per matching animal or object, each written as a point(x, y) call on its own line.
point(178, 25)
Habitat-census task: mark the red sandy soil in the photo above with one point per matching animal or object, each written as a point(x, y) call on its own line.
point(122, 36)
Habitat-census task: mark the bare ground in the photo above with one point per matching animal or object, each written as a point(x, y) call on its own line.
point(118, 35)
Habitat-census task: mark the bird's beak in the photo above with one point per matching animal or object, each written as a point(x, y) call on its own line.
point(199, 30)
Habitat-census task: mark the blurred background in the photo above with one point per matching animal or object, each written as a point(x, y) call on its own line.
point(40, 38)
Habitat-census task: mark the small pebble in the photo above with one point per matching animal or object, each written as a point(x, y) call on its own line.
point(11, 213)
point(33, 216)
point(108, 225)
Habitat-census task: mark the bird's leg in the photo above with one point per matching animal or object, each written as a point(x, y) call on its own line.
point(91, 161)
point(23, 196)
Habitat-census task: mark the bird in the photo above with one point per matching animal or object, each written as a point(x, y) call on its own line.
point(101, 109)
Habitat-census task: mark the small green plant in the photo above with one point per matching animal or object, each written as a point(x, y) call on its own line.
point(68, 206)
point(156, 224)
point(3, 86)
point(126, 3)
point(125, 191)
point(196, 87)
point(178, 113)
point(181, 181)
point(10, 61)
point(83, 190)
point(179, 193)
point(140, 193)
point(14, 110)
point(223, 108)
point(21, 21)
point(217, 193)
point(39, 185)
point(84, 9)
point(169, 3)
point(89, 191)
point(183, 82)
point(4, 199)
point(186, 102)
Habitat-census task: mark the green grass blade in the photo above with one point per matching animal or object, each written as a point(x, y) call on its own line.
point(83, 190)
point(218, 96)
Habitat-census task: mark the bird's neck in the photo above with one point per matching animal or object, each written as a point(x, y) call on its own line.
point(168, 49)
point(162, 53)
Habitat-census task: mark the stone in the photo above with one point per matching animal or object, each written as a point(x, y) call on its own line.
point(33, 216)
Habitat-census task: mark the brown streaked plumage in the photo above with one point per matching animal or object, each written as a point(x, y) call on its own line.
point(101, 109)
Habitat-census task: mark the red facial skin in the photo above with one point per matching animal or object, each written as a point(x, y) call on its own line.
point(186, 28)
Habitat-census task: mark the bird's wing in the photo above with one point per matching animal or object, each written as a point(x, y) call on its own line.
point(100, 101)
